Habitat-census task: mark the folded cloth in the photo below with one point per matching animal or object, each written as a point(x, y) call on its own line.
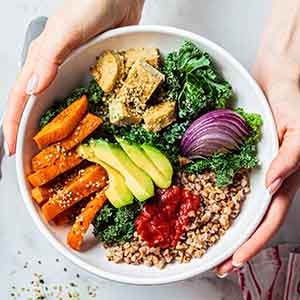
point(274, 274)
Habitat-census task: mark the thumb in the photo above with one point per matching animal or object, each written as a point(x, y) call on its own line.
point(286, 162)
point(63, 33)
point(45, 55)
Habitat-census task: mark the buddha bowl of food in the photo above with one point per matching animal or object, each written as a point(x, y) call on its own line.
point(144, 161)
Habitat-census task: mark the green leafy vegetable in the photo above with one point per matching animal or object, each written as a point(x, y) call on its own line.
point(255, 123)
point(226, 165)
point(93, 92)
point(112, 225)
point(193, 81)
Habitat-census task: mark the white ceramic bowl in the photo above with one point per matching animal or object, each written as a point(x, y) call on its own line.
point(74, 73)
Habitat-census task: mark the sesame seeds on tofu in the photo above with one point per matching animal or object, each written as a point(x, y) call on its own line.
point(150, 55)
point(129, 103)
point(142, 80)
point(160, 116)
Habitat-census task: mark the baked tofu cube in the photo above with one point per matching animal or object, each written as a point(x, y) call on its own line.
point(107, 70)
point(120, 113)
point(160, 116)
point(128, 105)
point(141, 82)
point(150, 55)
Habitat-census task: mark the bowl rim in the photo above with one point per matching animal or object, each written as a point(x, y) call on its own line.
point(67, 252)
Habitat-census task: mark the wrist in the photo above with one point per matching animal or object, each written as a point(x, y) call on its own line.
point(278, 57)
point(275, 69)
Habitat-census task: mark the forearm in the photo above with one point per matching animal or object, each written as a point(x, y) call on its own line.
point(279, 53)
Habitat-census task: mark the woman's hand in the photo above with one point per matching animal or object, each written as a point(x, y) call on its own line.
point(277, 70)
point(283, 177)
point(71, 26)
point(279, 78)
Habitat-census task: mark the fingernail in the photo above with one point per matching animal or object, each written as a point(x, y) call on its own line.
point(6, 149)
point(32, 84)
point(237, 265)
point(221, 275)
point(274, 186)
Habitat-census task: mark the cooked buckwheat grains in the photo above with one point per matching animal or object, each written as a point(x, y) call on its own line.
point(219, 207)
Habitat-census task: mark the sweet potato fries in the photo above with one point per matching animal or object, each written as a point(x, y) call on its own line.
point(63, 124)
point(83, 221)
point(60, 195)
point(88, 181)
point(49, 155)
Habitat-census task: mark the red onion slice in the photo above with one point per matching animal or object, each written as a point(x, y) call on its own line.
point(220, 130)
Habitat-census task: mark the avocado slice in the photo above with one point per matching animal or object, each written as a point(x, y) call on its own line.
point(138, 182)
point(117, 192)
point(139, 157)
point(159, 160)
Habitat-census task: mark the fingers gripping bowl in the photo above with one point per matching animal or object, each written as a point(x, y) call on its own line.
point(74, 73)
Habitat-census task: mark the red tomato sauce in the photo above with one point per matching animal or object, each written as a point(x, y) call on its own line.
point(164, 218)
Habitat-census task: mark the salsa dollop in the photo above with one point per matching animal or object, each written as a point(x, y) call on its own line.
point(164, 218)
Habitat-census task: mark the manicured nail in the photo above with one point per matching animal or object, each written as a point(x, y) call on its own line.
point(32, 84)
point(237, 265)
point(274, 186)
point(6, 149)
point(223, 275)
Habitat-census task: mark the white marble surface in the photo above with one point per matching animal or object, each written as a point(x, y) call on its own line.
point(234, 24)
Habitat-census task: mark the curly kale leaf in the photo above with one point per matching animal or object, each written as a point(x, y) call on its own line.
point(113, 226)
point(226, 165)
point(133, 134)
point(94, 95)
point(193, 81)
point(174, 133)
point(254, 121)
point(93, 92)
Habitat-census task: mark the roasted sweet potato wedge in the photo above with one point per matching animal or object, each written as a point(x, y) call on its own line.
point(63, 124)
point(88, 181)
point(68, 217)
point(41, 194)
point(49, 155)
point(65, 162)
point(84, 220)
